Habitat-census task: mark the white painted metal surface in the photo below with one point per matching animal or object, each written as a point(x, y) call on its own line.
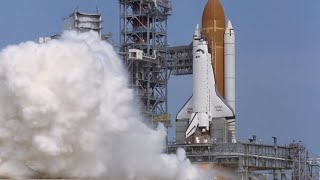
point(186, 111)
point(229, 75)
point(205, 103)
point(83, 22)
point(135, 54)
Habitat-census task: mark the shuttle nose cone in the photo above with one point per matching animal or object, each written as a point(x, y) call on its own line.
point(197, 33)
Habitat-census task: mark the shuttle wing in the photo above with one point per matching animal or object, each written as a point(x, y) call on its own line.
point(186, 110)
point(218, 106)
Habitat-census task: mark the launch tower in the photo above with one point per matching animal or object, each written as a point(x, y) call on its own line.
point(143, 44)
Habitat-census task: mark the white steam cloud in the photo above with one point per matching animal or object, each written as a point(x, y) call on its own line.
point(66, 112)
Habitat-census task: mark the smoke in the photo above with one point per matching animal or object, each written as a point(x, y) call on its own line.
point(66, 111)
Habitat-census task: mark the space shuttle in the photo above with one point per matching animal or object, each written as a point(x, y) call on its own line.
point(205, 104)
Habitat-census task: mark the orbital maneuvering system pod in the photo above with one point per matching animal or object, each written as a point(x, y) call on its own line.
point(206, 104)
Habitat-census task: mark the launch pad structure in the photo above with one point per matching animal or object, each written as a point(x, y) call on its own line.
point(254, 160)
point(143, 47)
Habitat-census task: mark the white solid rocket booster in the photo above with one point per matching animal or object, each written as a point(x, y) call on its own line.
point(229, 75)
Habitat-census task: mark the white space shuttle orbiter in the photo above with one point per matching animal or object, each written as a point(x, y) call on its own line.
point(205, 104)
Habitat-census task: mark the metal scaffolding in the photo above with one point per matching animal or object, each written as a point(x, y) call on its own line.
point(143, 46)
point(301, 169)
point(314, 167)
point(180, 60)
point(243, 158)
point(247, 159)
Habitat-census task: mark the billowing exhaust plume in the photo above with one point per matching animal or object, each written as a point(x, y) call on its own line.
point(66, 111)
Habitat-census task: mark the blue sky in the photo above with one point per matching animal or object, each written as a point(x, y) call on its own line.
point(277, 56)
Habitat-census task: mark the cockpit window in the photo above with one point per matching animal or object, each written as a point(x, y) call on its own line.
point(200, 50)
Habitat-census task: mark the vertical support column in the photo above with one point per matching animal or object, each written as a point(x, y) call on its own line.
point(275, 174)
point(245, 174)
point(283, 174)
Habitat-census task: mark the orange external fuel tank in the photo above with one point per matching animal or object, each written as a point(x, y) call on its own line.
point(213, 28)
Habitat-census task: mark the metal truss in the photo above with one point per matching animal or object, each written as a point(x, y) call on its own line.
point(249, 158)
point(180, 60)
point(143, 26)
point(301, 169)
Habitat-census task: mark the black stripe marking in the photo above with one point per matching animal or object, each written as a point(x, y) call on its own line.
point(200, 50)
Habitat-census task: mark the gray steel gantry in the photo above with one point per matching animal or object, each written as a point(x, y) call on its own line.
point(180, 60)
point(248, 159)
point(143, 46)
